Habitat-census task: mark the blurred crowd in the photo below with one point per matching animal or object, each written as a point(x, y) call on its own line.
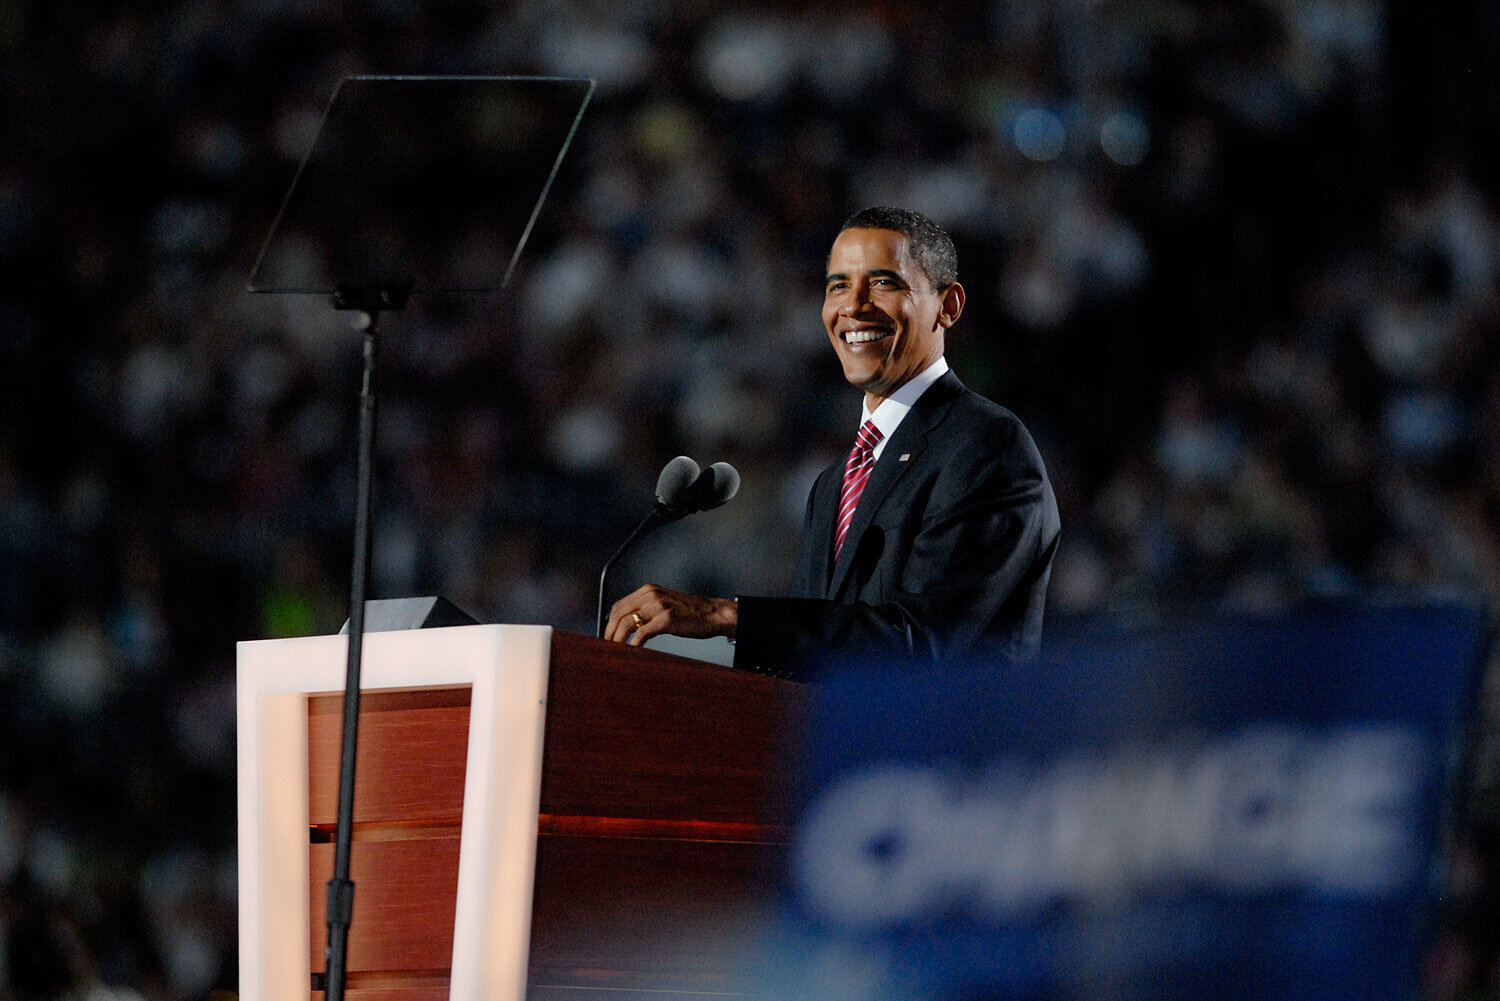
point(1234, 264)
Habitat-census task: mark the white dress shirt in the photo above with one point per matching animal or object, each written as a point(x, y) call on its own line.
point(894, 408)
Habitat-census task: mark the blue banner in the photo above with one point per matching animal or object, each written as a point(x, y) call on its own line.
point(1247, 810)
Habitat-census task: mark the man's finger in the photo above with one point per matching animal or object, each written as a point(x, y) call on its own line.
point(619, 627)
point(629, 630)
point(620, 623)
point(614, 622)
point(649, 628)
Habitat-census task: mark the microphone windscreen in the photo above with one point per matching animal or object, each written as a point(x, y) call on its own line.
point(675, 480)
point(718, 484)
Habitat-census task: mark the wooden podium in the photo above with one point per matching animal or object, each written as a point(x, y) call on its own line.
point(638, 788)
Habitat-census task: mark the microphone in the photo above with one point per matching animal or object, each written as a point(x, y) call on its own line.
point(681, 489)
point(715, 486)
point(677, 480)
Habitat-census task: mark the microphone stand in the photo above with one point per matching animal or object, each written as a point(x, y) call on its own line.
point(707, 489)
point(369, 302)
point(660, 515)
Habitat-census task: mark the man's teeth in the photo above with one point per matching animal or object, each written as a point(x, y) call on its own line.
point(861, 336)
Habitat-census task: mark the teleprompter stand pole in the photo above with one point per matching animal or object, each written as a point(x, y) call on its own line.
point(369, 302)
point(393, 150)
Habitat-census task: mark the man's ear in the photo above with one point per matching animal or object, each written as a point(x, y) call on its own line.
point(952, 306)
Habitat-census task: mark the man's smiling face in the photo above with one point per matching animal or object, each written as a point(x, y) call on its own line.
point(882, 314)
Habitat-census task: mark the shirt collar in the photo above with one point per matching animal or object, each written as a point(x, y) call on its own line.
point(894, 408)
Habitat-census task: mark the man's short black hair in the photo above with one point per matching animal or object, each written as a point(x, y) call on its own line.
point(931, 248)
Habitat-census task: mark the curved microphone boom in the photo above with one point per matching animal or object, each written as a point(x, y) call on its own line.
point(681, 489)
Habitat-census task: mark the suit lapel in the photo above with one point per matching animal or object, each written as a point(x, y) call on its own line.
point(910, 438)
point(825, 511)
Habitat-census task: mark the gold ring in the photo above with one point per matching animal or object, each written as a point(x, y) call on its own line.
point(638, 620)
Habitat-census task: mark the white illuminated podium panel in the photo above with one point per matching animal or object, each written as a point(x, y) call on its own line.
point(498, 675)
point(644, 815)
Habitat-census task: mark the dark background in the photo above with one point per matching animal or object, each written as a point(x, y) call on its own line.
point(1234, 264)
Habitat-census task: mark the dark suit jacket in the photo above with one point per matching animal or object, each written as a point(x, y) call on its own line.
point(948, 554)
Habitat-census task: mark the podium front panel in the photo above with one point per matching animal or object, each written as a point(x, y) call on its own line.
point(657, 818)
point(485, 919)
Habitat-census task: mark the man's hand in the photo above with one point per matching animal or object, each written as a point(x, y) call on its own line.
point(653, 610)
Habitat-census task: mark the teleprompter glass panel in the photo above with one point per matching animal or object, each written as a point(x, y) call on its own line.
point(431, 183)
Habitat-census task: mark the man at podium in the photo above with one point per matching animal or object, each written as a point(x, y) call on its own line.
point(935, 536)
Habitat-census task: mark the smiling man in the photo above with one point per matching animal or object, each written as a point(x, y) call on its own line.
point(934, 537)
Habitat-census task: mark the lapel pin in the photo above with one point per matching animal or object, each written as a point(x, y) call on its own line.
point(904, 457)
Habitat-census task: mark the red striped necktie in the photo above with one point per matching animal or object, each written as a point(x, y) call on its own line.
point(856, 475)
